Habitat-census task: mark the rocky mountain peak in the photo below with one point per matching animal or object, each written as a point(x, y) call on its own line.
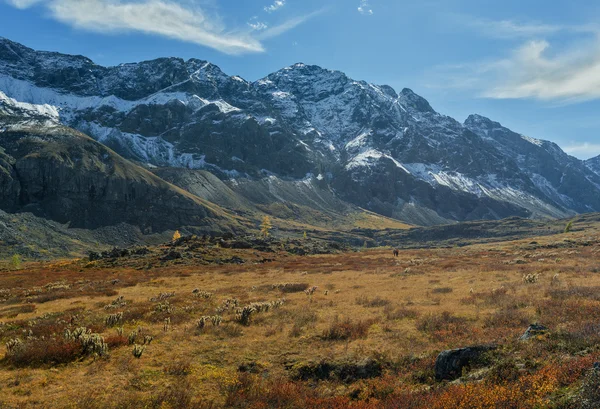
point(594, 164)
point(387, 151)
point(482, 122)
point(386, 89)
point(414, 101)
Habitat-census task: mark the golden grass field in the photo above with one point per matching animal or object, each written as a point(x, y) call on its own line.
point(369, 310)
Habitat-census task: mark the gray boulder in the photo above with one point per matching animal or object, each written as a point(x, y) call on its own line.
point(534, 330)
point(449, 364)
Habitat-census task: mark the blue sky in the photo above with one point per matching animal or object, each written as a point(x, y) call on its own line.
point(532, 65)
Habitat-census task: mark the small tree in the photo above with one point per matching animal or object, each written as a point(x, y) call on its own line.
point(266, 226)
point(305, 236)
point(569, 226)
point(176, 235)
point(16, 261)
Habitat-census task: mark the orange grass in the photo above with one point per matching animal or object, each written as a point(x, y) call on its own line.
point(399, 312)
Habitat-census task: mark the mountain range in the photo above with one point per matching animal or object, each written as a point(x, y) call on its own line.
point(168, 143)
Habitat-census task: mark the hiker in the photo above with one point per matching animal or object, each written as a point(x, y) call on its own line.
point(396, 252)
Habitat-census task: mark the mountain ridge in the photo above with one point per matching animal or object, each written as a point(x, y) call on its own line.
point(384, 151)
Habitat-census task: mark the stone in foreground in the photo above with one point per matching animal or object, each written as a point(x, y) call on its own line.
point(449, 364)
point(533, 331)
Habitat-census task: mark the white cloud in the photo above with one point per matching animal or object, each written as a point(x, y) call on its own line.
point(506, 29)
point(583, 150)
point(365, 8)
point(165, 18)
point(275, 6)
point(532, 71)
point(176, 19)
point(288, 25)
point(535, 69)
point(23, 4)
point(256, 25)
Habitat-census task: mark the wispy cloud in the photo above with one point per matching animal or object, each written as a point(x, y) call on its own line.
point(275, 6)
point(256, 25)
point(365, 8)
point(532, 71)
point(158, 17)
point(535, 69)
point(288, 25)
point(23, 4)
point(176, 19)
point(583, 150)
point(506, 29)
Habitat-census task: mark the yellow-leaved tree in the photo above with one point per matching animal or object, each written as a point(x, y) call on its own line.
point(266, 226)
point(16, 261)
point(176, 235)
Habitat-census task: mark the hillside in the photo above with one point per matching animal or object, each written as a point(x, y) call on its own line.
point(67, 181)
point(58, 173)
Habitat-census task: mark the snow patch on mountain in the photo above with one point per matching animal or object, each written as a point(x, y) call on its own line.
point(27, 109)
point(24, 91)
point(369, 158)
point(147, 149)
point(533, 141)
point(360, 141)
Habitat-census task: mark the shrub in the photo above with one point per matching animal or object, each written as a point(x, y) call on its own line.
point(374, 302)
point(55, 350)
point(113, 319)
point(302, 319)
point(502, 372)
point(12, 312)
point(399, 313)
point(117, 303)
point(531, 278)
point(442, 290)
point(265, 227)
point(569, 226)
point(345, 371)
point(439, 325)
point(181, 367)
point(138, 350)
point(16, 261)
point(243, 316)
point(37, 352)
point(511, 318)
point(114, 341)
point(91, 343)
point(291, 287)
point(347, 329)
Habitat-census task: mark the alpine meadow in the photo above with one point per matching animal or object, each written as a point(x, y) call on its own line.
point(180, 229)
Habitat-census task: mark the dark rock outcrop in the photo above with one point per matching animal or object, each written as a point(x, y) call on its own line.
point(449, 364)
point(345, 371)
point(533, 331)
point(58, 173)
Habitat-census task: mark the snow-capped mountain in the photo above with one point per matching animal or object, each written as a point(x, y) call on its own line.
point(594, 164)
point(58, 173)
point(386, 151)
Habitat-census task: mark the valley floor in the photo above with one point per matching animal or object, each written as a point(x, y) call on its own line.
point(351, 330)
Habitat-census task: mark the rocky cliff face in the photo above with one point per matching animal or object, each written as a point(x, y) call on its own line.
point(385, 151)
point(58, 173)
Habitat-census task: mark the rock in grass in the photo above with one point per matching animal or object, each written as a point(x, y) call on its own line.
point(449, 364)
point(533, 331)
